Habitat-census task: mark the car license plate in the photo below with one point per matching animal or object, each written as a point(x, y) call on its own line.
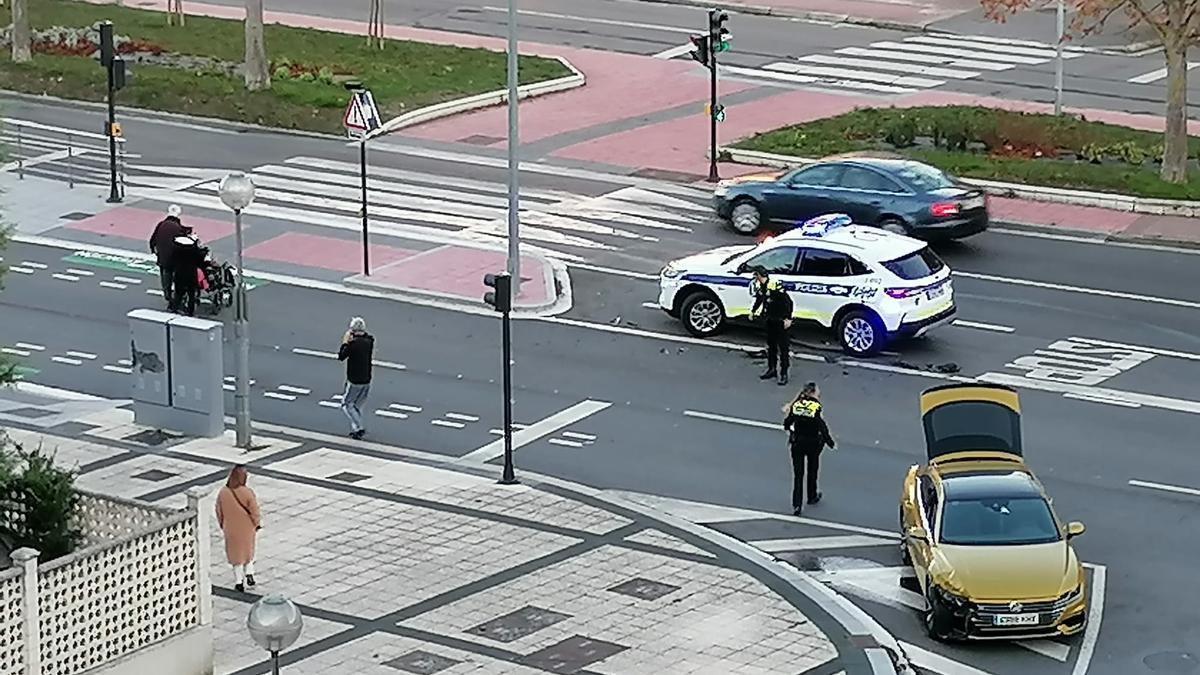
point(936, 292)
point(972, 203)
point(1015, 620)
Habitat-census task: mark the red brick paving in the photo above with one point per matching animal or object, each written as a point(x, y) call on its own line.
point(328, 253)
point(132, 223)
point(458, 271)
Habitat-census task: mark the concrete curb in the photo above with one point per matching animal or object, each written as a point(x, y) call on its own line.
point(485, 100)
point(1102, 200)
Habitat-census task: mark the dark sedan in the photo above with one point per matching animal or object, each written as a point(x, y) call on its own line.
point(897, 195)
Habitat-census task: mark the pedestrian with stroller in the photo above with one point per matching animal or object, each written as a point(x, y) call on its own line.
point(162, 245)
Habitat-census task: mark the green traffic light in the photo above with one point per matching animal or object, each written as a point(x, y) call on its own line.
point(722, 46)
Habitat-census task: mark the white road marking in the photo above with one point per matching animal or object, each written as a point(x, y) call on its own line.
point(537, 430)
point(983, 326)
point(113, 285)
point(797, 78)
point(461, 417)
point(1048, 648)
point(651, 305)
point(14, 352)
point(1178, 489)
point(20, 270)
point(313, 352)
point(124, 362)
point(942, 665)
point(818, 543)
point(67, 361)
point(127, 280)
point(231, 378)
point(1087, 646)
point(1094, 241)
point(1156, 75)
point(733, 420)
point(154, 291)
point(1138, 348)
point(990, 50)
point(329, 404)
point(82, 355)
point(405, 408)
point(566, 443)
point(35, 265)
point(389, 413)
point(389, 364)
point(80, 273)
point(228, 387)
point(279, 396)
point(574, 435)
point(1148, 400)
point(64, 277)
point(614, 271)
point(963, 53)
point(585, 19)
point(445, 423)
point(674, 51)
point(294, 390)
point(892, 55)
point(932, 71)
point(30, 346)
point(1079, 289)
point(124, 370)
point(1100, 399)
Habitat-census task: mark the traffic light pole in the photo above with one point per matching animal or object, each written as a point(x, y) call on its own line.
point(712, 110)
point(509, 476)
point(108, 57)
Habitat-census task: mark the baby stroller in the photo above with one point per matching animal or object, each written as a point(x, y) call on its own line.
point(217, 283)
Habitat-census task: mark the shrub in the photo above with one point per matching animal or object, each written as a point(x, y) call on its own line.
point(38, 501)
point(901, 132)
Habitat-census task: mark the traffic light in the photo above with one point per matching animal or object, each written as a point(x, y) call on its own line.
point(701, 50)
point(718, 34)
point(501, 298)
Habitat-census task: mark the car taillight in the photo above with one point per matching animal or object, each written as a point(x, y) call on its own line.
point(943, 209)
point(899, 293)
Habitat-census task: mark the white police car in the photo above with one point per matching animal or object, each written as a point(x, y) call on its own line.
point(871, 286)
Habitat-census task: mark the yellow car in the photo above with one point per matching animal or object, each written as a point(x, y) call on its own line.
point(991, 557)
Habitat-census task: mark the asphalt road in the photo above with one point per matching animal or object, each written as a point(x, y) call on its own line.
point(1094, 80)
point(651, 439)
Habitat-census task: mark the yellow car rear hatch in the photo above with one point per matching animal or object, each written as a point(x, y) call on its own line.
point(972, 422)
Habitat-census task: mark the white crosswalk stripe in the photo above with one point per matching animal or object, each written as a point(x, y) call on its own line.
point(908, 65)
point(445, 209)
point(1157, 75)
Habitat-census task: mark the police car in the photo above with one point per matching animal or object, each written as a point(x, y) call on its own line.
point(869, 285)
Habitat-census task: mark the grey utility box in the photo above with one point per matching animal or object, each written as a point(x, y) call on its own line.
point(178, 372)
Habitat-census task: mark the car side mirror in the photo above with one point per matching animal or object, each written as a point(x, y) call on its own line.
point(741, 269)
point(1074, 529)
point(918, 532)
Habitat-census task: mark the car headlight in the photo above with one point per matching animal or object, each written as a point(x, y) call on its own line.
point(721, 191)
point(949, 598)
point(670, 271)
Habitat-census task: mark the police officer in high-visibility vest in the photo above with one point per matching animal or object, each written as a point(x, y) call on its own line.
point(807, 437)
point(772, 301)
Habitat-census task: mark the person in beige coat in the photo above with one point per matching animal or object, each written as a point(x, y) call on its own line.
point(240, 521)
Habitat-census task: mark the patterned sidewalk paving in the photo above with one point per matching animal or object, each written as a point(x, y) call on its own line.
point(403, 567)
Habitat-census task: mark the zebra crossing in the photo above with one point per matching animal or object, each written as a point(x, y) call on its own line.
point(908, 65)
point(440, 208)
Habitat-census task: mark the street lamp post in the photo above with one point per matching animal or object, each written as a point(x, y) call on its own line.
point(275, 624)
point(237, 192)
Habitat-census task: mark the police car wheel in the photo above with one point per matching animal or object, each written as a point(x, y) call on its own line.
point(702, 314)
point(893, 225)
point(745, 218)
point(861, 333)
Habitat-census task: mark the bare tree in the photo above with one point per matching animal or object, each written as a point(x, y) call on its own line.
point(1176, 24)
point(22, 40)
point(175, 11)
point(258, 77)
point(375, 30)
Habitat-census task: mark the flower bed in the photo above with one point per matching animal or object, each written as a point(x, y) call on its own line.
point(992, 144)
point(196, 69)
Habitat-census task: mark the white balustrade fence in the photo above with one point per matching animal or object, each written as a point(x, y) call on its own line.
point(141, 577)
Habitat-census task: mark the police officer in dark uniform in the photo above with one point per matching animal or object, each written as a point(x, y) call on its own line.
point(773, 302)
point(807, 437)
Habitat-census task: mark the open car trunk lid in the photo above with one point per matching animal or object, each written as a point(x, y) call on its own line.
point(979, 419)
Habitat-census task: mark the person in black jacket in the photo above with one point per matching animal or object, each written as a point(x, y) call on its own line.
point(186, 261)
point(162, 245)
point(357, 348)
point(772, 301)
point(807, 437)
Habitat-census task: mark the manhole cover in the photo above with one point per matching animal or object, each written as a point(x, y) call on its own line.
point(1171, 662)
point(154, 475)
point(150, 437)
point(421, 663)
point(349, 477)
point(518, 624)
point(663, 174)
point(480, 139)
point(573, 654)
point(31, 413)
point(644, 589)
point(76, 215)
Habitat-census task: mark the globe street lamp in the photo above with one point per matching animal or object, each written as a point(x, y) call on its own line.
point(275, 624)
point(237, 192)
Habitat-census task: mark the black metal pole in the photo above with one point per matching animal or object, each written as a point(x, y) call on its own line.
point(114, 195)
point(509, 477)
point(275, 663)
point(712, 108)
point(362, 168)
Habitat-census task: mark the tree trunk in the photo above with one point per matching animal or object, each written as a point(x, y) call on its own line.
point(257, 76)
point(1175, 142)
point(22, 40)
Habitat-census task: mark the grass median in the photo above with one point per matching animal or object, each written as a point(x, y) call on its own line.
point(975, 142)
point(193, 69)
